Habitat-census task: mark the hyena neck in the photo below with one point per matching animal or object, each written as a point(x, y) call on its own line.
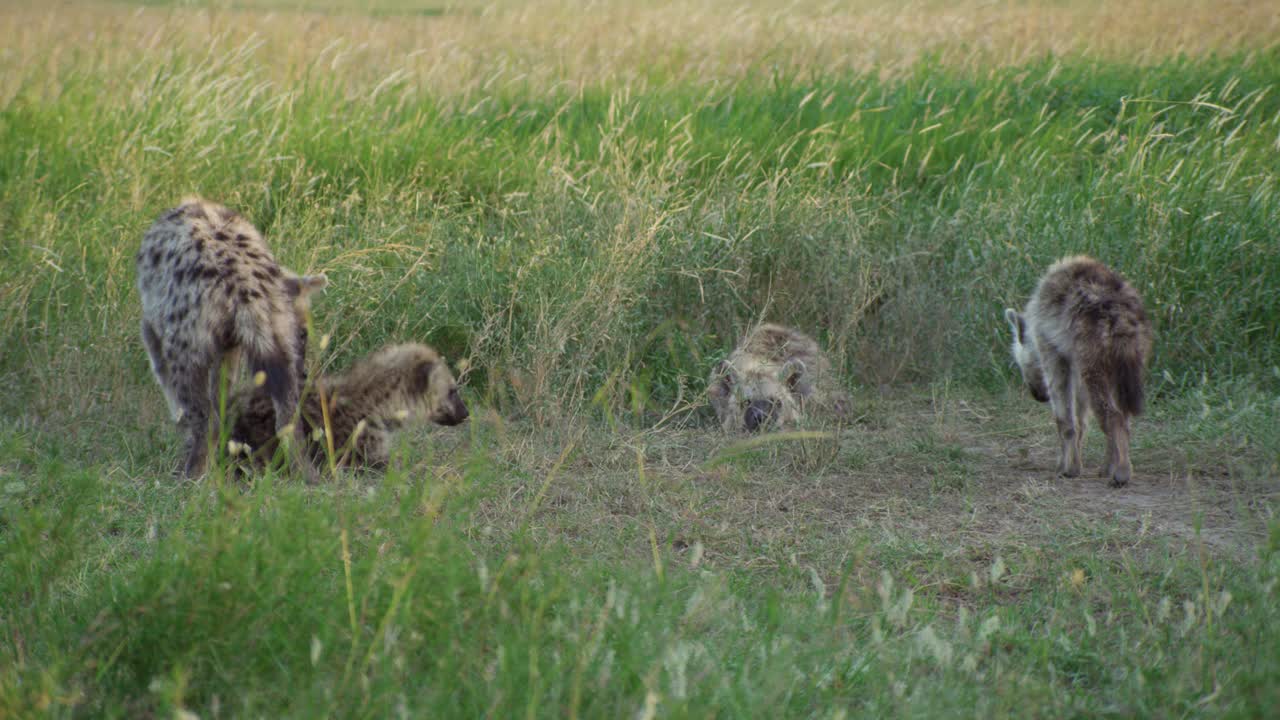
point(375, 394)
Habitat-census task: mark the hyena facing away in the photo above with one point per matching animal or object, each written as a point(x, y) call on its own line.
point(211, 290)
point(378, 395)
point(1085, 338)
point(774, 377)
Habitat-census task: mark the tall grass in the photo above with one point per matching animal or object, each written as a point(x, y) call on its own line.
point(617, 235)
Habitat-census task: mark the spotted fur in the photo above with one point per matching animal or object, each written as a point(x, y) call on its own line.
point(394, 386)
point(1084, 341)
point(212, 292)
point(774, 378)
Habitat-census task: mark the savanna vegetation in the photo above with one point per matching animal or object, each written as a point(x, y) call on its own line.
point(583, 205)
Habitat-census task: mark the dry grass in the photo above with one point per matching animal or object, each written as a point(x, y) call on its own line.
point(472, 50)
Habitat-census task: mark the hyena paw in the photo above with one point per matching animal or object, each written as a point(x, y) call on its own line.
point(1120, 477)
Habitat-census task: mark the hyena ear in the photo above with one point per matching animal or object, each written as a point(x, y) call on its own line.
point(313, 283)
point(722, 378)
point(1017, 324)
point(421, 378)
point(792, 374)
point(300, 286)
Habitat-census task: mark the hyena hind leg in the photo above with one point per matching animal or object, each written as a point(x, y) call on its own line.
point(1121, 466)
point(1062, 397)
point(1109, 461)
point(194, 412)
point(1115, 425)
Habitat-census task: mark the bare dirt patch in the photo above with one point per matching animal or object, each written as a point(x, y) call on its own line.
point(963, 478)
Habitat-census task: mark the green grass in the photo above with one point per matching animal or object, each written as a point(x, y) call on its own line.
point(687, 212)
point(505, 582)
point(589, 206)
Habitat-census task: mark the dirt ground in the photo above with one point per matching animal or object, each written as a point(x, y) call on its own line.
point(968, 478)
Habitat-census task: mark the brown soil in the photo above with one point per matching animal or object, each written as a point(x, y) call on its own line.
point(972, 480)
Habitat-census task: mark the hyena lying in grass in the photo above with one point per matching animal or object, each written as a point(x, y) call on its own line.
point(774, 378)
point(378, 395)
point(212, 291)
point(1084, 337)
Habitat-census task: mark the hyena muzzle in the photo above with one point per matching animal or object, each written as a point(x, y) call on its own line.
point(773, 379)
point(381, 393)
point(1083, 341)
point(211, 293)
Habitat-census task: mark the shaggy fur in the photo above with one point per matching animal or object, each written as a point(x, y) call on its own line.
point(212, 291)
point(378, 395)
point(774, 378)
point(1085, 339)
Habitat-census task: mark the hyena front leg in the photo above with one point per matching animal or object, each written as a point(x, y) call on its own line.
point(221, 377)
point(160, 369)
point(372, 449)
point(1059, 377)
point(1081, 411)
point(283, 386)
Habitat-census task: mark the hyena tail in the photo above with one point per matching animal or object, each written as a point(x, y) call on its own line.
point(1126, 366)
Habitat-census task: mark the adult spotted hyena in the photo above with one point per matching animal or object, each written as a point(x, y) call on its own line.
point(774, 378)
point(211, 292)
point(1085, 337)
point(378, 395)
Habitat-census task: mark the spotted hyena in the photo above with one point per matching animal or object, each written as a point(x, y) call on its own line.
point(776, 376)
point(211, 292)
point(1085, 338)
point(378, 395)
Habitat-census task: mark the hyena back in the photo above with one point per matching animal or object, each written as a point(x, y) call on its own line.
point(211, 292)
point(366, 404)
point(775, 377)
point(1084, 341)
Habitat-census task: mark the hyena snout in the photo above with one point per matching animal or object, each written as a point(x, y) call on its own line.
point(438, 389)
point(1025, 356)
point(759, 414)
point(454, 411)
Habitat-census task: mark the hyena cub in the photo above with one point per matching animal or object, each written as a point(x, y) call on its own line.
point(211, 291)
point(1085, 337)
point(378, 395)
point(773, 378)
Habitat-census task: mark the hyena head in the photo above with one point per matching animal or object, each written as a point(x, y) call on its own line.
point(1024, 353)
point(299, 289)
point(751, 395)
point(431, 389)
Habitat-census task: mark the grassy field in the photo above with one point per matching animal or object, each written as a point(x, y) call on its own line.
point(585, 204)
